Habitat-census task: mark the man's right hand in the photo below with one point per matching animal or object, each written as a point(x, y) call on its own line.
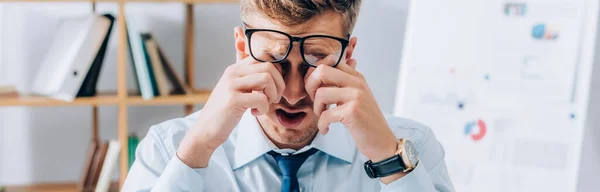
point(248, 84)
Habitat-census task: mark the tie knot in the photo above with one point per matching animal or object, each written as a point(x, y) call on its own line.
point(290, 164)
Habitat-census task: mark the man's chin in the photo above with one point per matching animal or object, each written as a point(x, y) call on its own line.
point(294, 136)
point(299, 134)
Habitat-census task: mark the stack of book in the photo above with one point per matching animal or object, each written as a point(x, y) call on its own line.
point(100, 164)
point(154, 73)
point(101, 161)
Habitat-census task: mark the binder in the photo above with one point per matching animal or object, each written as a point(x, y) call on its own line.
point(70, 57)
point(88, 87)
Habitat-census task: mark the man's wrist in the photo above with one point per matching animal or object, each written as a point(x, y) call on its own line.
point(391, 148)
point(387, 151)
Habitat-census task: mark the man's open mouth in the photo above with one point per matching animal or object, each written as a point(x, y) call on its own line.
point(290, 120)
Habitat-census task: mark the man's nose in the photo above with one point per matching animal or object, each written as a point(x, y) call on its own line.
point(294, 79)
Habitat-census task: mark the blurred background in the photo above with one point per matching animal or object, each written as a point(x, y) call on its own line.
point(500, 74)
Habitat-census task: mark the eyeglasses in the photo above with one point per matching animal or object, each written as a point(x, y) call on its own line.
point(267, 45)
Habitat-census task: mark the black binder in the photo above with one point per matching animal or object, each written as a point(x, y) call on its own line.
point(88, 87)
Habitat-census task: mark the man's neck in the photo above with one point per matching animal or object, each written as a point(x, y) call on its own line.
point(294, 146)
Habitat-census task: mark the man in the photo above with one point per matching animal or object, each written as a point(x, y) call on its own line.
point(292, 114)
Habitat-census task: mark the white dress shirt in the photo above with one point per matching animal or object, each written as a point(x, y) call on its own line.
point(242, 162)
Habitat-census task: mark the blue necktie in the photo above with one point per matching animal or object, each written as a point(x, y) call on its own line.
point(289, 166)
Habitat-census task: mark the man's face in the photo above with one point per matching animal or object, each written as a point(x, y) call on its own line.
point(292, 122)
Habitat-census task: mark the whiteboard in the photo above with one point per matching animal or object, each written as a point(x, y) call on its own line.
point(504, 86)
point(2, 63)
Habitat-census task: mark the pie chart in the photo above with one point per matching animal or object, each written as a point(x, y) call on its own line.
point(544, 32)
point(476, 130)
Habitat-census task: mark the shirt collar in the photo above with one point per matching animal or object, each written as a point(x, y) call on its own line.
point(251, 142)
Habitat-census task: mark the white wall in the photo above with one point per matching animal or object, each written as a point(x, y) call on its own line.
point(49, 144)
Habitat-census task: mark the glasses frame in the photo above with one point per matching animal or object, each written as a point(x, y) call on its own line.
point(300, 40)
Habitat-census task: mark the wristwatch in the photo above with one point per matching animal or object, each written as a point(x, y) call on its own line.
point(404, 160)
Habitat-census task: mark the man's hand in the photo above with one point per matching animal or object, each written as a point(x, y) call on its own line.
point(356, 109)
point(247, 84)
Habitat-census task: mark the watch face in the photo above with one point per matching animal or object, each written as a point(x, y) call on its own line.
point(411, 152)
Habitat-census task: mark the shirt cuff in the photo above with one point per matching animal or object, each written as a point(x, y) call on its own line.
point(177, 176)
point(416, 180)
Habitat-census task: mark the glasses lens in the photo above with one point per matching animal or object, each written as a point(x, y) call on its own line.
point(322, 51)
point(269, 46)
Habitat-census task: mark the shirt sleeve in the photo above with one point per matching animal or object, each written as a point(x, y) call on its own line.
point(156, 170)
point(430, 175)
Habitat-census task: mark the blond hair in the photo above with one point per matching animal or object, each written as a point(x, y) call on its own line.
point(295, 12)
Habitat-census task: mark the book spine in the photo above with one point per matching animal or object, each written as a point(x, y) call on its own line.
point(139, 61)
point(108, 168)
point(151, 72)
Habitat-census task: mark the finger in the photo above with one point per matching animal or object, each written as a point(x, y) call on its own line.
point(330, 116)
point(258, 82)
point(265, 67)
point(256, 101)
point(352, 63)
point(247, 61)
point(327, 75)
point(326, 96)
point(349, 67)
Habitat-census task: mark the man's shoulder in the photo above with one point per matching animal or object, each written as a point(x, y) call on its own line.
point(170, 133)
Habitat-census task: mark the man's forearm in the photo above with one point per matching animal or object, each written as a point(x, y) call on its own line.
point(193, 153)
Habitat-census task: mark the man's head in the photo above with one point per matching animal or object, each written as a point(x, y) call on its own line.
point(292, 122)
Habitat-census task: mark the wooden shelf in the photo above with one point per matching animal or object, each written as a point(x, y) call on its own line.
point(31, 100)
point(198, 97)
point(52, 187)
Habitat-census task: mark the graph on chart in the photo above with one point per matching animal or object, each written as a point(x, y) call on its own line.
point(476, 130)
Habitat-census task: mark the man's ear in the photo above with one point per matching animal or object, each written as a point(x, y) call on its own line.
point(350, 49)
point(240, 43)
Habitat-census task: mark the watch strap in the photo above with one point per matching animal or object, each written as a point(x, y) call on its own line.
point(386, 167)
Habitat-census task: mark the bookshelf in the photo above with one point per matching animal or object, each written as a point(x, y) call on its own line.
point(122, 98)
point(53, 187)
point(38, 101)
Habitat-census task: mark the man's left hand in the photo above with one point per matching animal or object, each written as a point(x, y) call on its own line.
point(356, 109)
